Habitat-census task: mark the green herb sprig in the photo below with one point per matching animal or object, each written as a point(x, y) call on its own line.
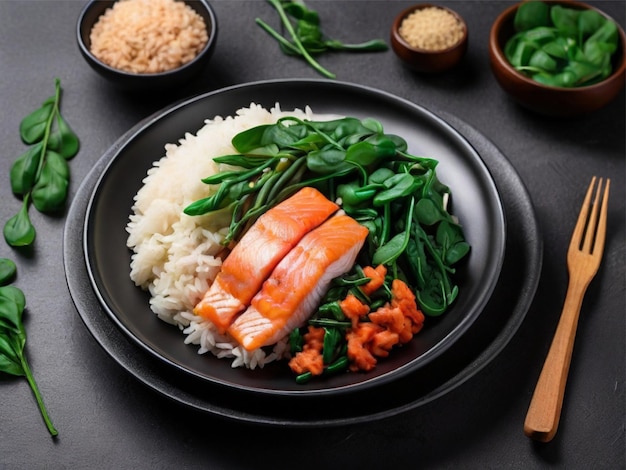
point(306, 36)
point(560, 46)
point(13, 335)
point(41, 174)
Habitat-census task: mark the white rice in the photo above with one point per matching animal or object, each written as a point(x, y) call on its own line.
point(175, 256)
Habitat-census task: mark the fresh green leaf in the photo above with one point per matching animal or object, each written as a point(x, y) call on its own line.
point(12, 341)
point(41, 174)
point(607, 33)
point(457, 252)
point(9, 358)
point(24, 170)
point(520, 55)
point(18, 230)
point(559, 48)
point(63, 139)
point(589, 21)
point(432, 300)
point(531, 15)
point(371, 151)
point(50, 191)
point(390, 250)
point(380, 175)
point(541, 60)
point(427, 212)
point(34, 126)
point(12, 303)
point(304, 37)
point(398, 186)
point(565, 19)
point(7, 271)
point(328, 160)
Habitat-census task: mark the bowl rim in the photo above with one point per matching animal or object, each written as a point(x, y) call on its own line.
point(497, 51)
point(86, 50)
point(395, 29)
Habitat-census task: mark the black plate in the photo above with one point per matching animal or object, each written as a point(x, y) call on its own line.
point(491, 332)
point(475, 201)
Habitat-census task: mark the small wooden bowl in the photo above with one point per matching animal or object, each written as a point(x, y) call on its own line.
point(424, 60)
point(144, 81)
point(548, 100)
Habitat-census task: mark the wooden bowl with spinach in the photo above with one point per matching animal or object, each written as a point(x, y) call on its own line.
point(558, 58)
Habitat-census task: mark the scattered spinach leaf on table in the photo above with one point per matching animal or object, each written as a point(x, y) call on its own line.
point(7, 271)
point(307, 38)
point(41, 174)
point(13, 335)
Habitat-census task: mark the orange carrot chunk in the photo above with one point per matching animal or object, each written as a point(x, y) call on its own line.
point(388, 317)
point(382, 343)
point(377, 278)
point(310, 359)
point(404, 298)
point(360, 358)
point(359, 355)
point(314, 338)
point(353, 309)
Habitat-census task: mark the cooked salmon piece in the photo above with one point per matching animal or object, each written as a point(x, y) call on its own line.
point(258, 252)
point(294, 289)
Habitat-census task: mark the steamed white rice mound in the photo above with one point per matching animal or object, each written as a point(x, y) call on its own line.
point(175, 256)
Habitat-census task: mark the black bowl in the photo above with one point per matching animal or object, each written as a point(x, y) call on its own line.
point(477, 203)
point(145, 81)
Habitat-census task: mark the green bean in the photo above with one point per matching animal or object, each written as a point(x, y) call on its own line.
point(339, 365)
point(322, 322)
point(303, 378)
point(293, 173)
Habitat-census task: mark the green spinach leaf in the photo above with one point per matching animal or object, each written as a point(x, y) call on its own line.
point(13, 339)
point(305, 37)
point(41, 174)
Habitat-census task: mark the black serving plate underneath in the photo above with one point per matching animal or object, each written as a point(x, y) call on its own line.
point(475, 347)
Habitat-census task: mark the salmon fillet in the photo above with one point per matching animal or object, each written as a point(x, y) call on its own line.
point(258, 252)
point(294, 289)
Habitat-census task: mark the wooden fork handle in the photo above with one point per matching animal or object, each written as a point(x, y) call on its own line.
point(544, 411)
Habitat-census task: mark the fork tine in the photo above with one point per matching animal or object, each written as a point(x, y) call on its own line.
point(601, 230)
point(579, 229)
point(590, 232)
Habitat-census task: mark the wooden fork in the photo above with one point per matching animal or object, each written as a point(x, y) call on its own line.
point(583, 260)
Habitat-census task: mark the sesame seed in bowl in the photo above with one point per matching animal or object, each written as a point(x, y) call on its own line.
point(431, 28)
point(429, 38)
